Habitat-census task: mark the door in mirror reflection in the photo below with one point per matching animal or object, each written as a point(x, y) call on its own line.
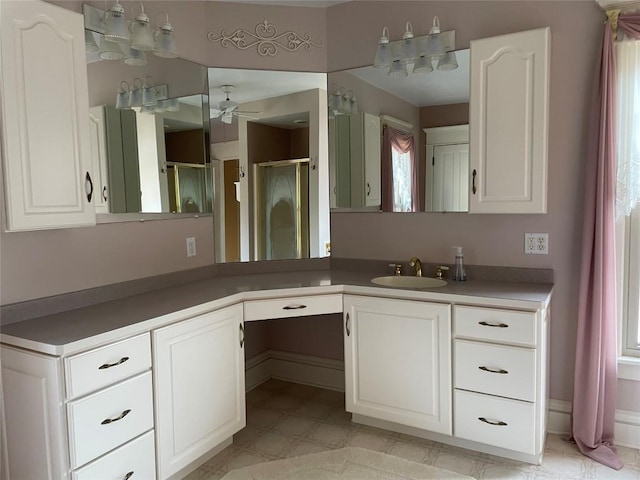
point(282, 214)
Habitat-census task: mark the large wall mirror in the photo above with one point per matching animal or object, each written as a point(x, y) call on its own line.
point(150, 159)
point(433, 108)
point(269, 151)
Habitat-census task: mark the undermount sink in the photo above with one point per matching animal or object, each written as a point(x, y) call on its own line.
point(408, 281)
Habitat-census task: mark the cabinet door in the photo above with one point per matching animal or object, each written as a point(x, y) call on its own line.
point(45, 105)
point(398, 361)
point(372, 153)
point(199, 385)
point(99, 158)
point(450, 165)
point(508, 117)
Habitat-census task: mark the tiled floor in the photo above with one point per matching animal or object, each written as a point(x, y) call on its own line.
point(286, 419)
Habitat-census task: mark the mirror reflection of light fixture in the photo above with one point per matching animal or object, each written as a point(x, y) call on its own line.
point(149, 97)
point(122, 98)
point(135, 94)
point(342, 101)
point(145, 97)
point(422, 52)
point(136, 58)
point(90, 44)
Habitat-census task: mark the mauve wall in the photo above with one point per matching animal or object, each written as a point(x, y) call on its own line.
point(37, 264)
point(576, 29)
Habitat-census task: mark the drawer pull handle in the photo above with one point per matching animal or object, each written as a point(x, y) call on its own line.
point(496, 423)
point(294, 307)
point(241, 335)
point(107, 421)
point(497, 325)
point(494, 370)
point(109, 365)
point(128, 475)
point(346, 325)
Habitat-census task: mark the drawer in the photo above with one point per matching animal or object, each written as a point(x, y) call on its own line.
point(95, 369)
point(292, 307)
point(105, 420)
point(495, 369)
point(134, 460)
point(510, 326)
point(500, 422)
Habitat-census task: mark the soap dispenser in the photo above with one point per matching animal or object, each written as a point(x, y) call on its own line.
point(458, 271)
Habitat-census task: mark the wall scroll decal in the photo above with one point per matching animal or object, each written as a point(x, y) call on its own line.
point(266, 39)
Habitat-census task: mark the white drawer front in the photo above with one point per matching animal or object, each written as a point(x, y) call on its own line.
point(495, 369)
point(95, 369)
point(500, 422)
point(136, 461)
point(103, 421)
point(509, 326)
point(292, 307)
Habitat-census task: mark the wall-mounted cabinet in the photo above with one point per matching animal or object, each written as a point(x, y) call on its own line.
point(357, 151)
point(508, 117)
point(46, 149)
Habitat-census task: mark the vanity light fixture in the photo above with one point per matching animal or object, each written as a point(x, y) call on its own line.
point(422, 52)
point(145, 97)
point(129, 39)
point(342, 101)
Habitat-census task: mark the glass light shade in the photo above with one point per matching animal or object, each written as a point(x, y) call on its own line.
point(423, 65)
point(448, 62)
point(435, 48)
point(165, 42)
point(173, 105)
point(90, 44)
point(135, 97)
point(383, 51)
point(162, 106)
point(110, 50)
point(149, 96)
point(142, 36)
point(122, 99)
point(117, 28)
point(354, 106)
point(136, 58)
point(398, 69)
point(409, 47)
point(147, 109)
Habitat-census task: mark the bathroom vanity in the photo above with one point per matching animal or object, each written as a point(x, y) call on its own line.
point(87, 391)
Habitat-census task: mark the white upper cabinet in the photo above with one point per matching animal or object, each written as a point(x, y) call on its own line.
point(508, 113)
point(45, 111)
point(99, 160)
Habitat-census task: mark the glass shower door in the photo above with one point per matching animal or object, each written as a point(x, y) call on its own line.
point(282, 209)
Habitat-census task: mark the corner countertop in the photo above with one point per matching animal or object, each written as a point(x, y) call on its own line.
point(76, 330)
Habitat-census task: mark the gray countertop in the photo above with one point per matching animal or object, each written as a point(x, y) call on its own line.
point(153, 309)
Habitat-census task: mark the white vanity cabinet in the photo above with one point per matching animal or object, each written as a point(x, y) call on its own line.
point(500, 378)
point(199, 385)
point(80, 416)
point(46, 153)
point(508, 118)
point(398, 361)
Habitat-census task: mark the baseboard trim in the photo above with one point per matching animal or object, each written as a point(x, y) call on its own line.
point(294, 367)
point(327, 373)
point(626, 429)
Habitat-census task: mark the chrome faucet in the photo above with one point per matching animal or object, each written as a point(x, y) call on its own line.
point(415, 262)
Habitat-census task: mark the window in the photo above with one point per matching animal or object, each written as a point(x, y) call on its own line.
point(628, 191)
point(402, 190)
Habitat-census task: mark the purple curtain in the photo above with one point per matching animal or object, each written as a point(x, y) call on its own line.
point(596, 370)
point(404, 142)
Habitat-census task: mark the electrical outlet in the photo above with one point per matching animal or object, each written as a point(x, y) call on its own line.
point(191, 247)
point(536, 243)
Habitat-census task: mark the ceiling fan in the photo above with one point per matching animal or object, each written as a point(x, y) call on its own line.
point(227, 109)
